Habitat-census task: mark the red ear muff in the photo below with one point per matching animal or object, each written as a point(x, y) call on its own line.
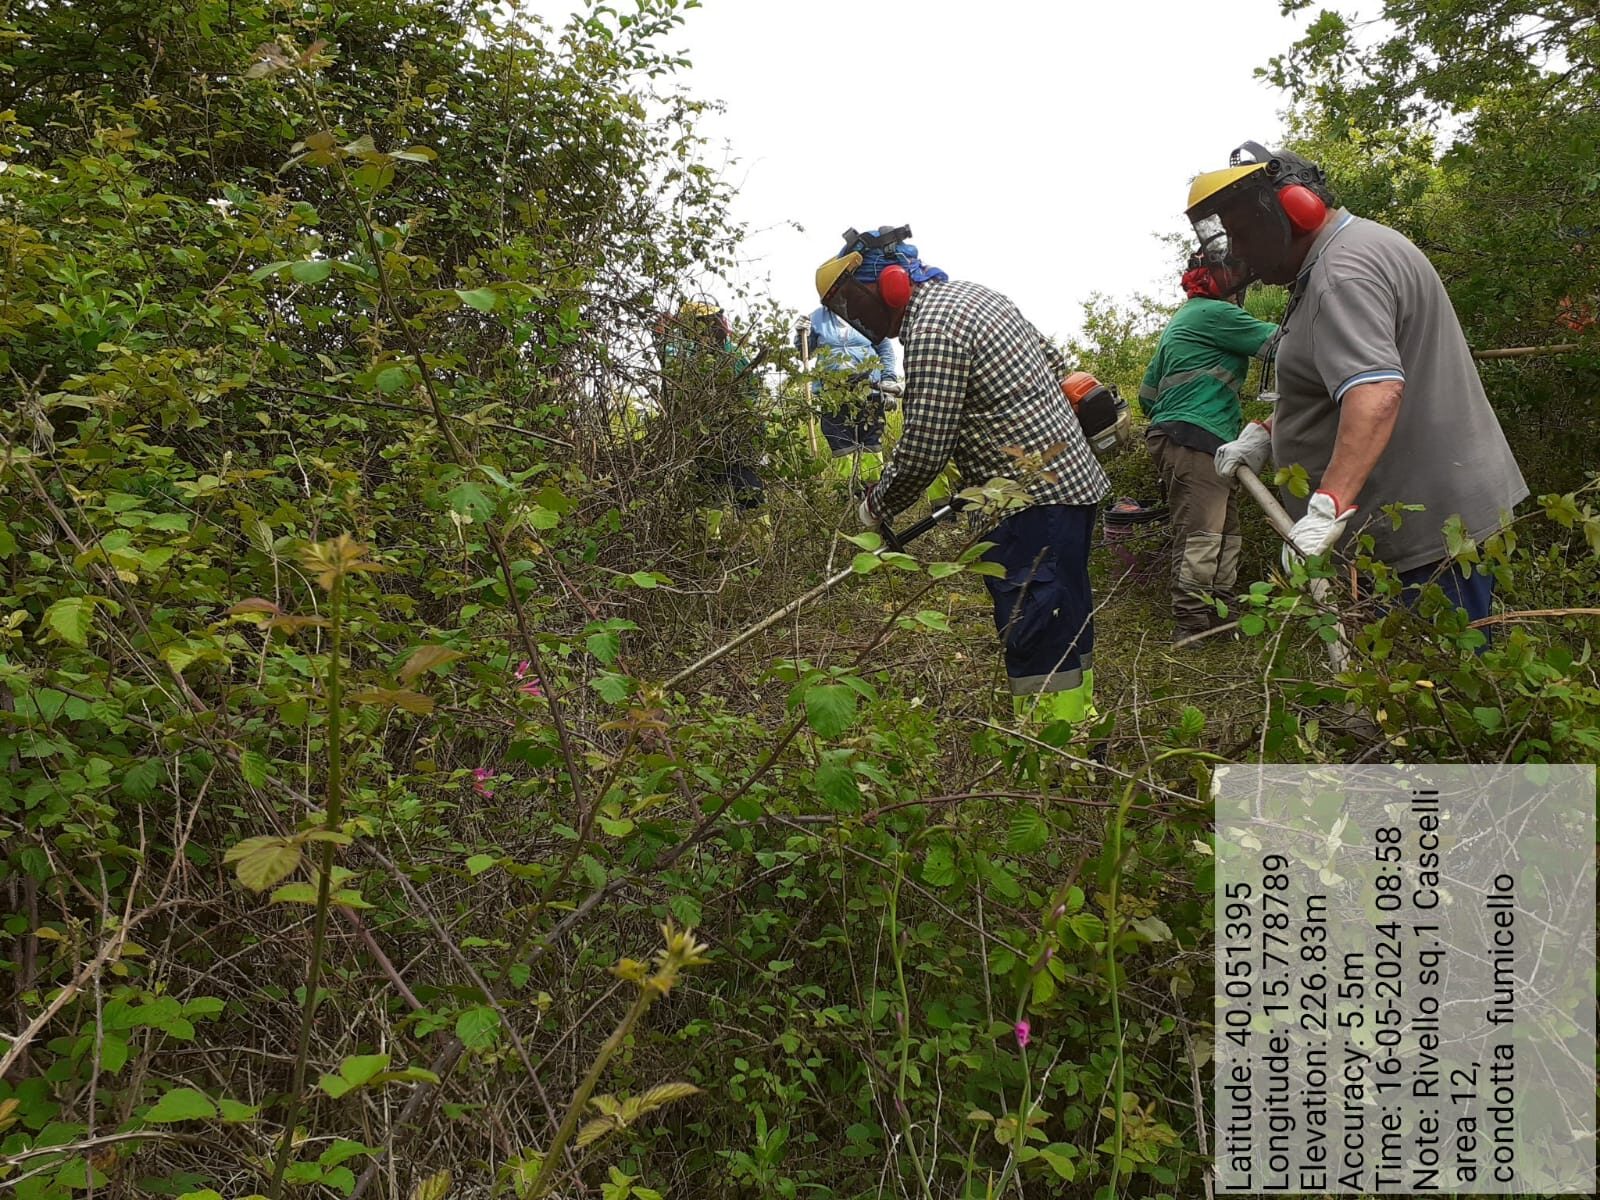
point(1303, 207)
point(894, 285)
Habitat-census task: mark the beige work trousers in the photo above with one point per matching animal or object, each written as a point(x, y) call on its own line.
point(1205, 529)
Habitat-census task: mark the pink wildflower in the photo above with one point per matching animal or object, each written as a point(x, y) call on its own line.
point(481, 784)
point(530, 686)
point(1023, 1031)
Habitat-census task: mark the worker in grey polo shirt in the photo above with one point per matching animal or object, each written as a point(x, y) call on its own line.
point(1378, 400)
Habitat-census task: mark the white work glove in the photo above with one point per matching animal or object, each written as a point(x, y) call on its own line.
point(891, 387)
point(1250, 449)
point(868, 518)
point(803, 326)
point(1319, 528)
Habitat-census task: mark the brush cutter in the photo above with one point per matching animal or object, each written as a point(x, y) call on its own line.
point(892, 541)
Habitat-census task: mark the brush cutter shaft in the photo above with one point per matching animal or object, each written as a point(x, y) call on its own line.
point(1280, 520)
point(787, 610)
point(897, 541)
point(1338, 651)
point(890, 542)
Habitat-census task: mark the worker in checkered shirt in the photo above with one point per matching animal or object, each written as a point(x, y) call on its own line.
point(981, 384)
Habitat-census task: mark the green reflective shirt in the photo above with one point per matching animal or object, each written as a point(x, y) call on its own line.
point(1200, 365)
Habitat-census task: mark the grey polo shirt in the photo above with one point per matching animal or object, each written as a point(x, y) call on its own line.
point(1368, 306)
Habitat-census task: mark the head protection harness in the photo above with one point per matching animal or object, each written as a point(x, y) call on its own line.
point(869, 282)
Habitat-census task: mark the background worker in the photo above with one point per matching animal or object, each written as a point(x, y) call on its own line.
point(1190, 394)
point(711, 401)
point(982, 384)
point(850, 411)
point(1378, 397)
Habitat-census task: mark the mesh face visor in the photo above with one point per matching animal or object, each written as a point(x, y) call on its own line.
point(1264, 234)
point(859, 305)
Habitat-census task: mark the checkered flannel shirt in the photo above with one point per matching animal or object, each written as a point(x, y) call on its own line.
point(979, 378)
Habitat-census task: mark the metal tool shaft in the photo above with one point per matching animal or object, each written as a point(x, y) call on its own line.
point(1339, 650)
point(891, 542)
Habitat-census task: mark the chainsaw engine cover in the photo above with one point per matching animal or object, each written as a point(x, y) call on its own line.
point(1105, 419)
point(1097, 411)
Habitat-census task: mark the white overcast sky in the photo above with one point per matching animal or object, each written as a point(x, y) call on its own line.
point(1036, 146)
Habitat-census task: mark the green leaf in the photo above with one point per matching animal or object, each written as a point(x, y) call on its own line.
point(271, 268)
point(70, 619)
point(1251, 625)
point(1458, 543)
point(613, 688)
point(1563, 510)
point(1059, 1156)
point(335, 1085)
point(604, 645)
point(481, 299)
point(8, 544)
point(392, 379)
point(140, 781)
point(836, 781)
point(469, 500)
point(260, 862)
point(253, 766)
point(348, 898)
point(299, 892)
point(1491, 719)
point(434, 1187)
point(1087, 926)
point(830, 708)
point(343, 1150)
point(1191, 721)
point(1029, 830)
point(233, 1110)
point(479, 863)
point(933, 619)
point(686, 909)
point(939, 866)
point(867, 540)
point(181, 1104)
point(865, 564)
point(1153, 928)
point(360, 1068)
point(478, 1028)
point(314, 271)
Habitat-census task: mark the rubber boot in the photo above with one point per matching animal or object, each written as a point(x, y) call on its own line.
point(862, 466)
point(1075, 705)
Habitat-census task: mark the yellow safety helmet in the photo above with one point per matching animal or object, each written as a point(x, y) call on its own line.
point(1209, 185)
point(829, 273)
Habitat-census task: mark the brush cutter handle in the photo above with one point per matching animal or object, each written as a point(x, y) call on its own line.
point(899, 541)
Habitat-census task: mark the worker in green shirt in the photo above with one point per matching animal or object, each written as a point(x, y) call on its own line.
point(1190, 394)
